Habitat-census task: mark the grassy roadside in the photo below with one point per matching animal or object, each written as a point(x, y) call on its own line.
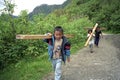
point(27, 69)
point(31, 68)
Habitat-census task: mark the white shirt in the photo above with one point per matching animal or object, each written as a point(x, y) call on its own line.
point(57, 49)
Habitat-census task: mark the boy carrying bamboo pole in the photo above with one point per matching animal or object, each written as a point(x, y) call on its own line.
point(58, 50)
point(91, 42)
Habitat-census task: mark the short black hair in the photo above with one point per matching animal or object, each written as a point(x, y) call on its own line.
point(58, 28)
point(98, 26)
point(90, 30)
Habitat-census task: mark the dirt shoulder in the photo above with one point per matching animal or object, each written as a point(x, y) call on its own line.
point(102, 64)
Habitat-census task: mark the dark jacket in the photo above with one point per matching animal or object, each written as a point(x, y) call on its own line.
point(97, 33)
point(65, 48)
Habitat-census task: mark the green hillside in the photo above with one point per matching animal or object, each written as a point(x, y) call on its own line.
point(28, 58)
point(106, 12)
point(46, 9)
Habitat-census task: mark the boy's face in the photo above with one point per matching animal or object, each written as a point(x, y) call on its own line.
point(90, 32)
point(58, 35)
point(98, 29)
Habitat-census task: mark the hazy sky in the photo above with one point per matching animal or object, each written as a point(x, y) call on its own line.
point(31, 4)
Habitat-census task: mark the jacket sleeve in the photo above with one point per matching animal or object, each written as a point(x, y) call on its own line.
point(67, 49)
point(48, 41)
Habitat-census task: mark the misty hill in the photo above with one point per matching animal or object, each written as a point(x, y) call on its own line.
point(46, 9)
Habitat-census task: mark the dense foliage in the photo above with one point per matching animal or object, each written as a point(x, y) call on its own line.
point(106, 12)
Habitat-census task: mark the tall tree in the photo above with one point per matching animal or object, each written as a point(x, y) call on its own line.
point(8, 6)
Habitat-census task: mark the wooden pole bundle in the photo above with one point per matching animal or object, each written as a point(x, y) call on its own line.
point(37, 36)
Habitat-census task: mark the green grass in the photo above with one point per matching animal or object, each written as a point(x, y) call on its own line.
point(27, 69)
point(76, 47)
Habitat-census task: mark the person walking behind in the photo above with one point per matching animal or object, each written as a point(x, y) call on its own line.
point(98, 34)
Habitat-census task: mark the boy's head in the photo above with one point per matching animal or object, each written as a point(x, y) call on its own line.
point(90, 31)
point(98, 28)
point(58, 32)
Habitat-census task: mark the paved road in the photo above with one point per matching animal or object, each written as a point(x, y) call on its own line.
point(102, 64)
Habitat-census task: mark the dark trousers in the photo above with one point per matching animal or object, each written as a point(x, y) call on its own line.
point(96, 41)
